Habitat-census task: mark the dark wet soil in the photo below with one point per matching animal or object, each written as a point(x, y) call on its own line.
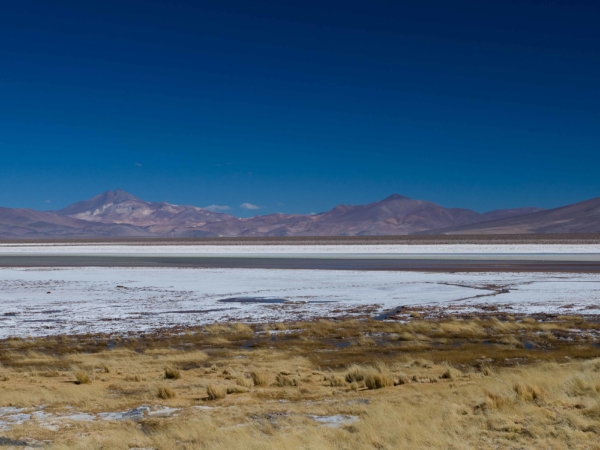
point(391, 264)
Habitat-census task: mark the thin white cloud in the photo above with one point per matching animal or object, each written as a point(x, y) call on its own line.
point(217, 208)
point(138, 165)
point(47, 201)
point(249, 206)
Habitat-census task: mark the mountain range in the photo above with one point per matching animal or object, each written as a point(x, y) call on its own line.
point(120, 214)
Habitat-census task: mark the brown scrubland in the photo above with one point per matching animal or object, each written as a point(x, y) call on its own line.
point(474, 382)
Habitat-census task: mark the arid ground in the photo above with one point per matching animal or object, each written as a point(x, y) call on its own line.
point(491, 382)
point(197, 358)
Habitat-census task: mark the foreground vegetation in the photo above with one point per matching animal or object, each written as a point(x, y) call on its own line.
point(496, 382)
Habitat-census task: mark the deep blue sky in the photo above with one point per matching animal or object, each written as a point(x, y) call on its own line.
point(299, 106)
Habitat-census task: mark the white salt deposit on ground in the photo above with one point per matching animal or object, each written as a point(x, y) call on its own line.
point(40, 302)
point(291, 250)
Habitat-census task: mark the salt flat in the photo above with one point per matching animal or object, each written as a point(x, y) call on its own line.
point(240, 250)
point(39, 302)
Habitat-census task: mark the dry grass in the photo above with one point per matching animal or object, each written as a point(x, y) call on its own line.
point(165, 393)
point(82, 377)
point(135, 378)
point(215, 392)
point(172, 374)
point(282, 380)
point(487, 393)
point(260, 378)
point(378, 381)
point(336, 380)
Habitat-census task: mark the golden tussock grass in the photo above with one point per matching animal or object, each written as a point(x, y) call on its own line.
point(165, 392)
point(172, 373)
point(336, 380)
point(475, 395)
point(136, 378)
point(529, 392)
point(244, 382)
point(378, 381)
point(451, 374)
point(282, 380)
point(237, 389)
point(260, 378)
point(82, 377)
point(215, 392)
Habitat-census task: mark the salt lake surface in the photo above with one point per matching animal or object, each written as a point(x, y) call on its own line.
point(47, 301)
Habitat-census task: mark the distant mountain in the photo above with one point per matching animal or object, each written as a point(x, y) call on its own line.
point(394, 215)
point(583, 217)
point(16, 223)
point(120, 207)
point(506, 213)
point(118, 213)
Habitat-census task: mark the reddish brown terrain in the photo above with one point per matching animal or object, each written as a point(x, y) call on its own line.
point(120, 214)
point(583, 217)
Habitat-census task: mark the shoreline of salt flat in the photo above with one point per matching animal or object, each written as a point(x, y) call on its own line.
point(294, 250)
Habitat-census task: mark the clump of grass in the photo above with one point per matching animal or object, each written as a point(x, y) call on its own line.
point(592, 365)
point(137, 378)
point(512, 341)
point(165, 393)
point(401, 379)
point(487, 370)
point(260, 378)
point(425, 363)
point(495, 401)
point(378, 381)
point(106, 368)
point(580, 386)
point(406, 336)
point(82, 377)
point(236, 389)
point(283, 380)
point(451, 374)
point(216, 329)
point(336, 380)
point(229, 373)
point(529, 392)
point(244, 382)
point(216, 392)
point(172, 373)
point(420, 326)
point(241, 328)
point(356, 373)
point(4, 377)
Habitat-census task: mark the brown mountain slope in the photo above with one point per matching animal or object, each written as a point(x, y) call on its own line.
point(395, 215)
point(26, 223)
point(506, 213)
point(583, 217)
point(120, 207)
point(118, 213)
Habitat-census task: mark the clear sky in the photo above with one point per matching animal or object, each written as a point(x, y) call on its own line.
point(297, 106)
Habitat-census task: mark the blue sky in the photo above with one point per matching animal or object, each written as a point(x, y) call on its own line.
point(299, 106)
